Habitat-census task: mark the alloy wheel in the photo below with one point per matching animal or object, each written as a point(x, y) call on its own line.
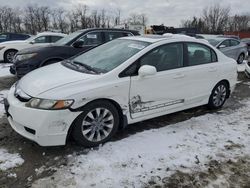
point(97, 124)
point(219, 95)
point(10, 56)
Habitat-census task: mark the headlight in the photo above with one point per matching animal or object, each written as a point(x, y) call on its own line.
point(2, 47)
point(23, 57)
point(47, 104)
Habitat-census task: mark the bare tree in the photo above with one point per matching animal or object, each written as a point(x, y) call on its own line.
point(216, 18)
point(138, 19)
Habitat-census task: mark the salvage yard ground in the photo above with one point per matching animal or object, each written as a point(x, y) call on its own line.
point(193, 148)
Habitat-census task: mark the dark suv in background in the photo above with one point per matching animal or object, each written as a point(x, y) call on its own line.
point(4, 37)
point(73, 44)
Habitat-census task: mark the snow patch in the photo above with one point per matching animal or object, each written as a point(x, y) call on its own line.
point(8, 160)
point(5, 70)
point(134, 161)
point(241, 67)
point(3, 95)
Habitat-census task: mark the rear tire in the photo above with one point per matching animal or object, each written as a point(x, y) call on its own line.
point(219, 95)
point(97, 124)
point(241, 58)
point(9, 56)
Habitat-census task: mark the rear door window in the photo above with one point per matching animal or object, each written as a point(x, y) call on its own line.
point(55, 38)
point(199, 54)
point(234, 42)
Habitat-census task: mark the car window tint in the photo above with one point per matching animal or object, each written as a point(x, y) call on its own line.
point(55, 38)
point(112, 35)
point(165, 57)
point(93, 38)
point(234, 42)
point(226, 43)
point(42, 39)
point(200, 54)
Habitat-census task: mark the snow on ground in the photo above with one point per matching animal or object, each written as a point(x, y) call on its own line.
point(133, 161)
point(241, 67)
point(3, 94)
point(8, 160)
point(4, 69)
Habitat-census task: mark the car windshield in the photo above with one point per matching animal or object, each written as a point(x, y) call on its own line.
point(108, 56)
point(68, 38)
point(214, 42)
point(31, 38)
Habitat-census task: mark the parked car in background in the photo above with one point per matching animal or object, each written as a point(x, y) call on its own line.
point(13, 36)
point(247, 42)
point(9, 49)
point(229, 37)
point(80, 41)
point(124, 81)
point(231, 47)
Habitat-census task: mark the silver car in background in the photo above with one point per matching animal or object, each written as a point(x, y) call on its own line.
point(231, 47)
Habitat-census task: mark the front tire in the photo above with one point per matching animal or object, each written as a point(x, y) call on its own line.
point(9, 56)
point(97, 124)
point(219, 95)
point(241, 58)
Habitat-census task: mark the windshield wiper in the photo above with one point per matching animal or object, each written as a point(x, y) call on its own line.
point(87, 67)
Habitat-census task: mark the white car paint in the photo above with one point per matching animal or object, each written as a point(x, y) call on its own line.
point(247, 69)
point(183, 88)
point(22, 44)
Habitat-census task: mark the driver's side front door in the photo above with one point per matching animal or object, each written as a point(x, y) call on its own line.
point(155, 94)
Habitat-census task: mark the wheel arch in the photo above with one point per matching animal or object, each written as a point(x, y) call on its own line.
point(10, 49)
point(51, 59)
point(123, 118)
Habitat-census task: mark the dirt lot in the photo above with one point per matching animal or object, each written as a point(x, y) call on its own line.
point(40, 161)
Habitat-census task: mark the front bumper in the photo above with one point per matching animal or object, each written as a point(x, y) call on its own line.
point(21, 70)
point(45, 127)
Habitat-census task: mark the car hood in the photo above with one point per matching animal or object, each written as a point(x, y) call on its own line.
point(14, 42)
point(50, 77)
point(35, 49)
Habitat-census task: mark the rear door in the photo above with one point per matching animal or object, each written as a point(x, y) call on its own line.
point(236, 48)
point(201, 72)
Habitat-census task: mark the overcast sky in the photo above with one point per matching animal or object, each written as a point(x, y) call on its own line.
point(168, 12)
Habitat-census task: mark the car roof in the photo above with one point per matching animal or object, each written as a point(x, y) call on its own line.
point(51, 34)
point(157, 38)
point(107, 29)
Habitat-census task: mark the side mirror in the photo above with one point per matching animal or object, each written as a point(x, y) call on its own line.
point(32, 42)
point(147, 70)
point(222, 46)
point(78, 44)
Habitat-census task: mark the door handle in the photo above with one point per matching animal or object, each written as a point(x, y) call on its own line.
point(179, 76)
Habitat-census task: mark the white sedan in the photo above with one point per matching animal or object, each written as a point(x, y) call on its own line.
point(121, 82)
point(247, 69)
point(9, 49)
